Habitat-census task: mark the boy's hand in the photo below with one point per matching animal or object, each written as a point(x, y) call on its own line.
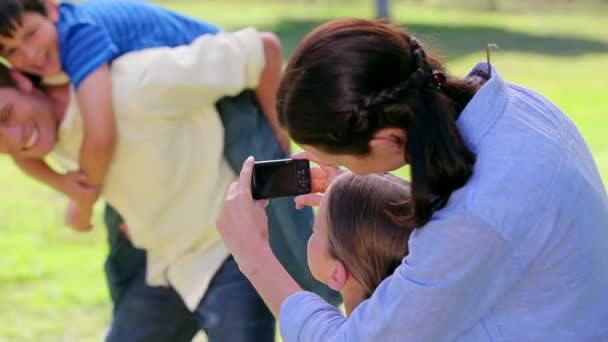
point(78, 216)
point(76, 187)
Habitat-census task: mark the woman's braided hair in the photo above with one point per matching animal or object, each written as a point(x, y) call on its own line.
point(370, 109)
point(350, 78)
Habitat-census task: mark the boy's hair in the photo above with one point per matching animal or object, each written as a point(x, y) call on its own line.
point(370, 219)
point(11, 13)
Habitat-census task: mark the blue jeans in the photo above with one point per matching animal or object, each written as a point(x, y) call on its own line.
point(247, 133)
point(231, 310)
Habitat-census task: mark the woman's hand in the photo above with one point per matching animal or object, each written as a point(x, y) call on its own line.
point(244, 227)
point(321, 176)
point(243, 223)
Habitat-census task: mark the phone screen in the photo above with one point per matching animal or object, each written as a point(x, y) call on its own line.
point(279, 178)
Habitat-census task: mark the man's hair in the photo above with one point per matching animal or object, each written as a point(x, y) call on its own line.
point(7, 81)
point(11, 13)
point(5, 77)
point(370, 219)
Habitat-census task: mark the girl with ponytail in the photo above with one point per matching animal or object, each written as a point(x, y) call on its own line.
point(509, 206)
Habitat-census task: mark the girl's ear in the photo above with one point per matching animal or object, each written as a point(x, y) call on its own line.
point(389, 140)
point(51, 10)
point(338, 276)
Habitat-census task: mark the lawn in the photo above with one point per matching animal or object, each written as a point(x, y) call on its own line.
point(51, 281)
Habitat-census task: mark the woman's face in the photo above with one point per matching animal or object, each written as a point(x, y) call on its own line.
point(319, 259)
point(376, 161)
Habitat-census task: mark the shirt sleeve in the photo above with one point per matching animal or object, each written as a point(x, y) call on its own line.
point(84, 48)
point(195, 75)
point(455, 272)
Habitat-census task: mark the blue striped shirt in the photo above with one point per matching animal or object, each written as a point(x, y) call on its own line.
point(520, 253)
point(94, 33)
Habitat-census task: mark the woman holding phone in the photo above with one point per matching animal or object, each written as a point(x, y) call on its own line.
point(510, 209)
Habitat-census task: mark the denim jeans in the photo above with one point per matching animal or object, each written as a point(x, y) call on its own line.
point(248, 133)
point(231, 310)
point(140, 309)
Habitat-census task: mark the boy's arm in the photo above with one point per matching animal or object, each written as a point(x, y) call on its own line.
point(266, 91)
point(72, 184)
point(94, 96)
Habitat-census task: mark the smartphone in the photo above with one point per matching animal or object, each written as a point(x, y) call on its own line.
point(280, 178)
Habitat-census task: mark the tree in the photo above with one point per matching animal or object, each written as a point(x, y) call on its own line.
point(382, 9)
point(493, 5)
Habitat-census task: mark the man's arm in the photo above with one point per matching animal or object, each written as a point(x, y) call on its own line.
point(266, 91)
point(41, 171)
point(94, 98)
point(72, 184)
point(195, 75)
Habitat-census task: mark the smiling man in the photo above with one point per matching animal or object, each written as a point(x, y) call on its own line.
point(167, 180)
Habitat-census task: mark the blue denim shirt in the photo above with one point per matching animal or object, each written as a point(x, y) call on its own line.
point(520, 253)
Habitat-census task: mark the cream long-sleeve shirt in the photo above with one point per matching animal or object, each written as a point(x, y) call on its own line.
point(168, 175)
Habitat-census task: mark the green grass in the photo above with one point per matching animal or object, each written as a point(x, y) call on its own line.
point(51, 281)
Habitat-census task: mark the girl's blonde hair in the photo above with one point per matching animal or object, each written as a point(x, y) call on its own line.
point(370, 219)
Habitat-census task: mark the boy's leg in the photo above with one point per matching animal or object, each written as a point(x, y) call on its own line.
point(248, 132)
point(141, 312)
point(232, 310)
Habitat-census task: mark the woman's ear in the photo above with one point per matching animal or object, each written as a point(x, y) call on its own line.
point(389, 140)
point(338, 276)
point(22, 82)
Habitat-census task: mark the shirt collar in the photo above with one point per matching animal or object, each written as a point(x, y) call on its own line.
point(484, 109)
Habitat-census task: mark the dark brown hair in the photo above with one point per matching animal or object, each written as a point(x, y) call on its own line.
point(349, 78)
point(370, 219)
point(6, 80)
point(5, 77)
point(11, 13)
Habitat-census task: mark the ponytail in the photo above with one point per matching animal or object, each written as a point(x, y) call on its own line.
point(350, 78)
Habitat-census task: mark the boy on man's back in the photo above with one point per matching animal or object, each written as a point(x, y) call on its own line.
point(80, 41)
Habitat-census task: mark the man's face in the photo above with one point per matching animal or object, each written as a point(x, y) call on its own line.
point(33, 46)
point(28, 126)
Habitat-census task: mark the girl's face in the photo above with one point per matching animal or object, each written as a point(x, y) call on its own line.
point(328, 269)
point(319, 259)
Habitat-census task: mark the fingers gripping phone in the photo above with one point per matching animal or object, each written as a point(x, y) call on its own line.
point(280, 178)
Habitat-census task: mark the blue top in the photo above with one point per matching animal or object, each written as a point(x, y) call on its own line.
point(93, 33)
point(520, 253)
